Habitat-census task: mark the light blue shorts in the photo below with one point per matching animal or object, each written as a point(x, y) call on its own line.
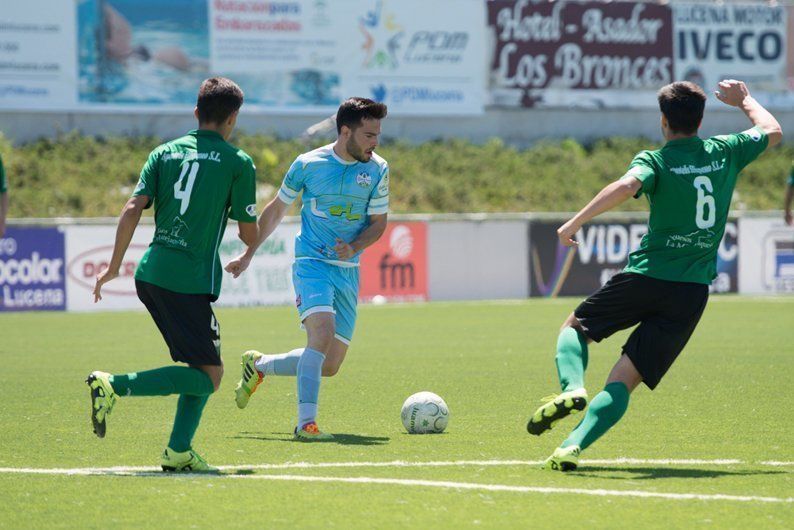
point(324, 288)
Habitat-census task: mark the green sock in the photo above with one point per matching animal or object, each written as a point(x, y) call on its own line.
point(163, 382)
point(188, 416)
point(605, 410)
point(571, 359)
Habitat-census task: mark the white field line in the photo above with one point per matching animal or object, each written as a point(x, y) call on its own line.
point(154, 472)
point(394, 463)
point(522, 489)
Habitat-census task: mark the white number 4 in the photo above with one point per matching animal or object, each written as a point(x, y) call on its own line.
point(184, 194)
point(706, 214)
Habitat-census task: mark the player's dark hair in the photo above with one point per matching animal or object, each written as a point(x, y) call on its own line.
point(682, 103)
point(354, 110)
point(218, 98)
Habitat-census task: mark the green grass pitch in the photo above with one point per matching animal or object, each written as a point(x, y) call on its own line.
point(729, 397)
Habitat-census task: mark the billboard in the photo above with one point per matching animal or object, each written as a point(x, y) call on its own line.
point(292, 56)
point(32, 269)
point(732, 41)
point(603, 251)
point(590, 54)
point(38, 62)
point(428, 64)
point(267, 281)
point(88, 252)
point(395, 267)
point(767, 259)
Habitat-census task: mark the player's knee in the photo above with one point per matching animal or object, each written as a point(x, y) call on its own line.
point(331, 369)
point(216, 377)
point(571, 322)
point(322, 338)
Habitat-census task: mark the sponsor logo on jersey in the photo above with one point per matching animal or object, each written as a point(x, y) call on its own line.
point(383, 186)
point(346, 211)
point(251, 209)
point(364, 180)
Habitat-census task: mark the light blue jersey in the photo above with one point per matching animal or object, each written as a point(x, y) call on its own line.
point(337, 198)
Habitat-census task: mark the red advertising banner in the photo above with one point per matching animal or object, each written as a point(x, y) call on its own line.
point(592, 54)
point(396, 266)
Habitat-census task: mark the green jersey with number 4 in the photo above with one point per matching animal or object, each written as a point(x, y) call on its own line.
point(689, 184)
point(196, 182)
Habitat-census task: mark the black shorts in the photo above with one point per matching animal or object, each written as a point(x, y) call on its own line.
point(667, 313)
point(186, 322)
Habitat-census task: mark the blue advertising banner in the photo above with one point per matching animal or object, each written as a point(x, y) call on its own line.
point(32, 269)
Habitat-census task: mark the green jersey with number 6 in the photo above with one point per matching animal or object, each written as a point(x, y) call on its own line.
point(196, 182)
point(689, 184)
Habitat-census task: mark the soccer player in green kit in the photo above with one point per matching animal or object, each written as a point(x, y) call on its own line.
point(196, 182)
point(664, 288)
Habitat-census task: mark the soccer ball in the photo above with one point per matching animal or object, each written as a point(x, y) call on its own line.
point(425, 412)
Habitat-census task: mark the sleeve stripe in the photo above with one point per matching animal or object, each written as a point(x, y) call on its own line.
point(289, 192)
point(380, 201)
point(378, 211)
point(285, 198)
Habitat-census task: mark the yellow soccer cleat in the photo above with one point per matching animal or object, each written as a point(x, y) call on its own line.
point(187, 462)
point(250, 379)
point(563, 459)
point(102, 400)
point(555, 408)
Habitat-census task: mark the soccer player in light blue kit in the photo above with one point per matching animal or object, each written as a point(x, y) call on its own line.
point(345, 188)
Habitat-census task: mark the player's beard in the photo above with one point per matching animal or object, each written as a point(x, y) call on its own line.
point(356, 151)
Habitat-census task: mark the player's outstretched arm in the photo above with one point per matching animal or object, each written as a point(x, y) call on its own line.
point(128, 222)
point(373, 232)
point(735, 93)
point(609, 197)
point(269, 219)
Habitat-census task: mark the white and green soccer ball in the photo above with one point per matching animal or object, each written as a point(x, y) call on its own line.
point(424, 413)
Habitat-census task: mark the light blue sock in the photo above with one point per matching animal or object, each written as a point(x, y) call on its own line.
point(309, 371)
point(281, 364)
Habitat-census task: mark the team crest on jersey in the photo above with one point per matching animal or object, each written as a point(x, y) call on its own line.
point(251, 210)
point(364, 180)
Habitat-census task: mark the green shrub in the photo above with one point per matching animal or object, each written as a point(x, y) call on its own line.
point(84, 176)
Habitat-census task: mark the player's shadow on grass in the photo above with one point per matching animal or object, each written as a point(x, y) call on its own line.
point(650, 473)
point(339, 438)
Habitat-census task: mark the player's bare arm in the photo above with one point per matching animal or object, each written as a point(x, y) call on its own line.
point(373, 232)
point(787, 204)
point(128, 222)
point(609, 197)
point(248, 232)
point(269, 219)
point(735, 93)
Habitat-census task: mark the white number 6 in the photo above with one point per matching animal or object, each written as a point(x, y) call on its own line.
point(704, 219)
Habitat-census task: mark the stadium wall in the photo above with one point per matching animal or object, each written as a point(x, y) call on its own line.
point(518, 127)
point(51, 264)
